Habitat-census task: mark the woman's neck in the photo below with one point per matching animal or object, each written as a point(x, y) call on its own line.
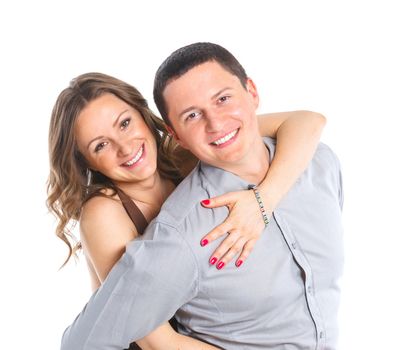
point(149, 195)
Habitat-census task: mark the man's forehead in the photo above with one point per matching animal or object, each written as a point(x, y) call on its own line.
point(208, 78)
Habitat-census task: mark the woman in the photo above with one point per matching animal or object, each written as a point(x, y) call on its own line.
point(96, 174)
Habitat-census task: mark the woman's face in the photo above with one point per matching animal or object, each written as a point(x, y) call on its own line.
point(114, 139)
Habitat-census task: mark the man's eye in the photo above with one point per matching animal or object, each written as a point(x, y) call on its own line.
point(125, 123)
point(193, 115)
point(223, 98)
point(100, 146)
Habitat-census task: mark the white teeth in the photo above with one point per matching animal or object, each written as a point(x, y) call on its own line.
point(225, 138)
point(136, 158)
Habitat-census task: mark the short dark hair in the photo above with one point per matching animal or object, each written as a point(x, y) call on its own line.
point(186, 58)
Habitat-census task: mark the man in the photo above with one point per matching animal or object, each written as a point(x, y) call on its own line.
point(286, 295)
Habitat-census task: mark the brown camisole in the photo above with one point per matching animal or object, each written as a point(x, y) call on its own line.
point(133, 211)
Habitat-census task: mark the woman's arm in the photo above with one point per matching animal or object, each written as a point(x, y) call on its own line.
point(105, 231)
point(297, 134)
point(165, 338)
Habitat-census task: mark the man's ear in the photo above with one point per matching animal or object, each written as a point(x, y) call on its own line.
point(170, 130)
point(253, 91)
point(172, 133)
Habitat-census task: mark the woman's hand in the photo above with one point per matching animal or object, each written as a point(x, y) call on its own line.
point(243, 226)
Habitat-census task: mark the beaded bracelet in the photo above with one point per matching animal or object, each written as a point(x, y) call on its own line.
point(260, 202)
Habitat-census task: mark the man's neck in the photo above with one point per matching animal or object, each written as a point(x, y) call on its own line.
point(254, 167)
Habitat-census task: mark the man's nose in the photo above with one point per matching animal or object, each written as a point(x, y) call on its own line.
point(214, 121)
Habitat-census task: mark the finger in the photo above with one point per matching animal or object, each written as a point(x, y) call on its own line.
point(246, 251)
point(215, 233)
point(225, 245)
point(231, 253)
point(219, 201)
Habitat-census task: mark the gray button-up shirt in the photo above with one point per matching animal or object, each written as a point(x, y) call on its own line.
point(285, 296)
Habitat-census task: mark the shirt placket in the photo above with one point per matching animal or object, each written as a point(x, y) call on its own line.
point(303, 263)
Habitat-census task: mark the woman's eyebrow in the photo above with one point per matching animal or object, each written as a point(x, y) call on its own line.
point(119, 116)
point(114, 124)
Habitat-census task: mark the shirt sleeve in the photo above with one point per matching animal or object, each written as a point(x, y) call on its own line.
point(339, 178)
point(335, 166)
point(155, 276)
point(341, 193)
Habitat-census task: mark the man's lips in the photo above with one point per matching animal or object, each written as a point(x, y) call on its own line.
point(226, 138)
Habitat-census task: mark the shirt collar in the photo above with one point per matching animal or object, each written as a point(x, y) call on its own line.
point(223, 181)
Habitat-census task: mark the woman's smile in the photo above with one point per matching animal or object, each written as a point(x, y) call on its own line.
point(136, 160)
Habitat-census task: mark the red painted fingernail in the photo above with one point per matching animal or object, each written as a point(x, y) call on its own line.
point(205, 202)
point(213, 260)
point(220, 265)
point(204, 242)
point(238, 263)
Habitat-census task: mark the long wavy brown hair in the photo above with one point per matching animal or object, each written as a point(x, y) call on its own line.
point(71, 183)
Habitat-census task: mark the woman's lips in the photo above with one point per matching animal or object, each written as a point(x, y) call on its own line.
point(136, 159)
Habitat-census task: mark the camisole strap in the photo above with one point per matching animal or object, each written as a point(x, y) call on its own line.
point(133, 211)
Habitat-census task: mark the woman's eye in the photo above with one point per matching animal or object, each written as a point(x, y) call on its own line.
point(100, 146)
point(125, 123)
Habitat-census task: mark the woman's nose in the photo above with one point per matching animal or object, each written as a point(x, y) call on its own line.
point(124, 148)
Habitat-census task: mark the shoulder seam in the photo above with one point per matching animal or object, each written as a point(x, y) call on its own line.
point(187, 244)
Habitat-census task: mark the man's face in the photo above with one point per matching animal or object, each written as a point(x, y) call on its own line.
point(213, 115)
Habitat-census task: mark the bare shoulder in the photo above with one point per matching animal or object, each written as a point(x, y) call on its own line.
point(104, 213)
point(105, 229)
point(98, 205)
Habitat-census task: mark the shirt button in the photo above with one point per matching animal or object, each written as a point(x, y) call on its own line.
point(321, 335)
point(293, 245)
point(309, 290)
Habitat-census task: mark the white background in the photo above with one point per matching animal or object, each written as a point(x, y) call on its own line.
point(335, 57)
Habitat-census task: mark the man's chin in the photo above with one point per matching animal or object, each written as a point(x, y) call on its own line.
point(224, 162)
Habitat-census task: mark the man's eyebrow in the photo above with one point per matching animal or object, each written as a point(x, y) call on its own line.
point(114, 124)
point(212, 98)
point(186, 110)
point(220, 92)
